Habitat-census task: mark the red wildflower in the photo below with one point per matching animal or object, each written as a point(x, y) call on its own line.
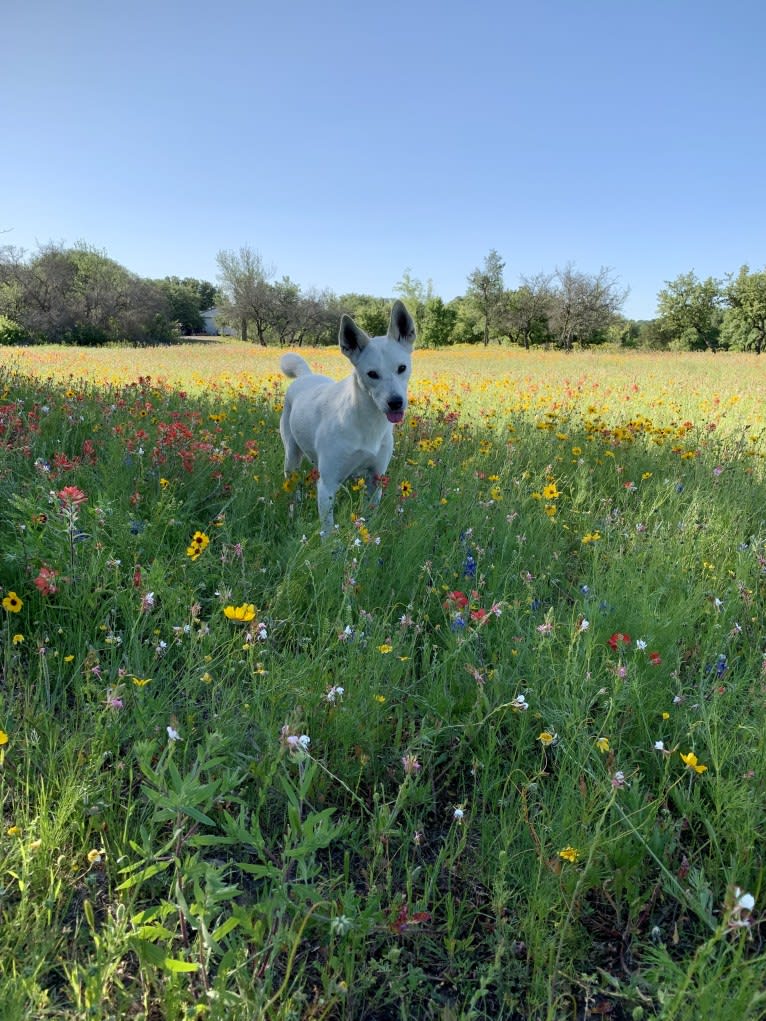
point(617, 640)
point(71, 496)
point(404, 919)
point(655, 658)
point(455, 599)
point(45, 582)
point(63, 463)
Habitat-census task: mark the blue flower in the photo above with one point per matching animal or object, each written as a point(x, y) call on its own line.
point(720, 666)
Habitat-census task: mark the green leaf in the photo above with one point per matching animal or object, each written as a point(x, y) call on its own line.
point(196, 814)
point(147, 873)
point(155, 932)
point(210, 840)
point(224, 928)
point(261, 871)
point(175, 965)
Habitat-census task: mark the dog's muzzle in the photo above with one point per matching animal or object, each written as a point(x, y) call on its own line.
point(395, 411)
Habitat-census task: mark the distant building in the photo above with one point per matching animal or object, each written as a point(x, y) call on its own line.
point(213, 327)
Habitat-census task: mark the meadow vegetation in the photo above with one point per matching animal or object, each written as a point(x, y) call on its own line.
point(495, 751)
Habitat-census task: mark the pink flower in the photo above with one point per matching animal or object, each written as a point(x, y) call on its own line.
point(113, 699)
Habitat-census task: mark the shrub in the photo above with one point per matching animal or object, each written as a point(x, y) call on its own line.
point(12, 332)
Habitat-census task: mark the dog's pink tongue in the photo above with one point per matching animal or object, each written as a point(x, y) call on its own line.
point(395, 416)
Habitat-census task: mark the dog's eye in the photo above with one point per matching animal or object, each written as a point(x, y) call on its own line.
point(373, 374)
point(401, 369)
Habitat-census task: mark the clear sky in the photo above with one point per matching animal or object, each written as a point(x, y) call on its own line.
point(346, 141)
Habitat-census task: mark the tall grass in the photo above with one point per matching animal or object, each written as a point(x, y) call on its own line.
point(495, 751)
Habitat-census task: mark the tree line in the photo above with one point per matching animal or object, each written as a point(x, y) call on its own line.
point(78, 295)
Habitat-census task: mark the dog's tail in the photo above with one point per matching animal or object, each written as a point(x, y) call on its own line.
point(294, 366)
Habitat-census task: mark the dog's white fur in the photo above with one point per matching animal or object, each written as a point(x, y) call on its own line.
point(346, 428)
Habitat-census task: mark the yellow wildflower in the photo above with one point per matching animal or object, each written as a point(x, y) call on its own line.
point(245, 612)
point(198, 545)
point(690, 759)
point(12, 603)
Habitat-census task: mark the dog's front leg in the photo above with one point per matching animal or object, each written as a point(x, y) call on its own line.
point(374, 489)
point(325, 501)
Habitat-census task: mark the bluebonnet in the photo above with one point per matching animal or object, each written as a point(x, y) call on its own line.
point(720, 666)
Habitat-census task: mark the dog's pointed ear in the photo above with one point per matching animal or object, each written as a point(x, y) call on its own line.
point(352, 338)
point(401, 326)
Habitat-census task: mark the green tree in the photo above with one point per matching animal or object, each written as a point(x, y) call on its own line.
point(469, 325)
point(486, 292)
point(285, 314)
point(530, 308)
point(689, 312)
point(246, 293)
point(80, 296)
point(317, 318)
point(624, 332)
point(187, 299)
point(372, 314)
point(437, 324)
point(744, 321)
point(584, 306)
point(650, 335)
point(416, 295)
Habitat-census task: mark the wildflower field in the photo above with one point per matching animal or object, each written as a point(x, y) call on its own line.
point(494, 751)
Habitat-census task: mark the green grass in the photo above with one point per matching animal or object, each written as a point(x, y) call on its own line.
point(406, 862)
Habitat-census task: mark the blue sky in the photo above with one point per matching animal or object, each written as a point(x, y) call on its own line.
point(345, 142)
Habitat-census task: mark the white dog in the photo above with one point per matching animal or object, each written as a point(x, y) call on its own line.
point(346, 428)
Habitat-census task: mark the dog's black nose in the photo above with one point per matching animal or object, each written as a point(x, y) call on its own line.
point(395, 403)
